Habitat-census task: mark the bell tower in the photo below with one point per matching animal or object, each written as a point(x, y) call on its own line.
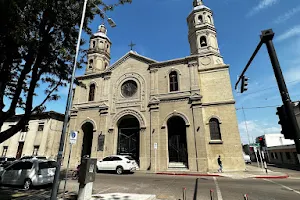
point(99, 51)
point(202, 32)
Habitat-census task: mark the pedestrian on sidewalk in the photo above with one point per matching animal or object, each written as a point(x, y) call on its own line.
point(220, 164)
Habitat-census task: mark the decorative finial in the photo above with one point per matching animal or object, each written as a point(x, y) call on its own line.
point(197, 3)
point(102, 29)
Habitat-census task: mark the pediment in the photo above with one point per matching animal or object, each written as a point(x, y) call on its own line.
point(154, 100)
point(130, 55)
point(103, 106)
point(195, 97)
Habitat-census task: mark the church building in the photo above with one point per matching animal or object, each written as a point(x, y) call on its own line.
point(168, 115)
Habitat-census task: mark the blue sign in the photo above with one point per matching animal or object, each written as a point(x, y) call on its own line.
point(73, 137)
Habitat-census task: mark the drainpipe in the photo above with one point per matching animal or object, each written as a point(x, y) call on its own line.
point(150, 127)
point(196, 152)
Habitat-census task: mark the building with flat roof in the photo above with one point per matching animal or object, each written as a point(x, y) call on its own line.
point(40, 137)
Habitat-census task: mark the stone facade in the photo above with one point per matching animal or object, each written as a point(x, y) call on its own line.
point(192, 94)
point(41, 137)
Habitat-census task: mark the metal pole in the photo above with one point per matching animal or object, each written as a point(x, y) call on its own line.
point(267, 37)
point(264, 161)
point(259, 152)
point(183, 193)
point(255, 151)
point(70, 150)
point(246, 125)
point(56, 181)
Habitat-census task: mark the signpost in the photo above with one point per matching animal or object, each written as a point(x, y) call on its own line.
point(155, 149)
point(73, 139)
point(255, 146)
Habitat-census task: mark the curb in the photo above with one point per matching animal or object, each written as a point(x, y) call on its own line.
point(186, 174)
point(272, 177)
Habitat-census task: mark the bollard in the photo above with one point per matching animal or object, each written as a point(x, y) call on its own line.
point(211, 192)
point(246, 197)
point(184, 194)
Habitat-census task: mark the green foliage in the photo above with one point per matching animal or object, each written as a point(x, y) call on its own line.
point(38, 45)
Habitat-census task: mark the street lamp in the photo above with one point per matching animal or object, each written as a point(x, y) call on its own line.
point(55, 186)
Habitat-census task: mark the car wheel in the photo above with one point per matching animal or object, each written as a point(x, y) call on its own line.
point(27, 184)
point(119, 170)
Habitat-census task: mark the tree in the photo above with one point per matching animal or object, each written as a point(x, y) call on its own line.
point(37, 46)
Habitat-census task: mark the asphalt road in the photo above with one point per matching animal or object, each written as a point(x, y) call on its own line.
point(170, 187)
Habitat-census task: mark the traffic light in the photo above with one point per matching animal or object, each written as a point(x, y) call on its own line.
point(286, 126)
point(261, 141)
point(244, 84)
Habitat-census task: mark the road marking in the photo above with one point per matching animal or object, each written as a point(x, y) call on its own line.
point(104, 190)
point(286, 187)
point(218, 189)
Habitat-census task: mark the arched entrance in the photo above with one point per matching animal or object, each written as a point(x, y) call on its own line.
point(87, 142)
point(177, 144)
point(129, 137)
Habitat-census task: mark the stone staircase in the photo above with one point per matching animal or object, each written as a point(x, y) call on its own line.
point(177, 166)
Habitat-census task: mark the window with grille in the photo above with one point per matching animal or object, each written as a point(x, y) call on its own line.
point(173, 81)
point(35, 150)
point(41, 127)
point(214, 127)
point(4, 152)
point(92, 92)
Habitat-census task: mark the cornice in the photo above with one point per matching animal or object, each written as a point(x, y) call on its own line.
point(218, 67)
point(177, 61)
point(93, 75)
point(219, 103)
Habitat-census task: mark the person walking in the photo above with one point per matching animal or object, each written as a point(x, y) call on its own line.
point(220, 164)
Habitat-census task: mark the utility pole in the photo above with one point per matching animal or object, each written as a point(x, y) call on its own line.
point(266, 38)
point(56, 181)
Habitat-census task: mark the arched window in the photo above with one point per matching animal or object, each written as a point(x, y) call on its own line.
point(203, 42)
point(200, 19)
point(92, 92)
point(91, 63)
point(106, 64)
point(214, 127)
point(209, 19)
point(173, 81)
point(94, 44)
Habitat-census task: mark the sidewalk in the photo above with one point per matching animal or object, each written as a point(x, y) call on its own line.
point(250, 172)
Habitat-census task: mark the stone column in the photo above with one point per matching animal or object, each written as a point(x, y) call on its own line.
point(199, 133)
point(154, 131)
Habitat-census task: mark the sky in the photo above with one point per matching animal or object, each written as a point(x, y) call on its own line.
point(159, 30)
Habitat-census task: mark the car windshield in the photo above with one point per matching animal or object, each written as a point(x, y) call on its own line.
point(2, 159)
point(129, 158)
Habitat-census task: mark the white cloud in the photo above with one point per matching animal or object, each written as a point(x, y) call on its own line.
point(263, 4)
point(289, 33)
point(287, 15)
point(256, 128)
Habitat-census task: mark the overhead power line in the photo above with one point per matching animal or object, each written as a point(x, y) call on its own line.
point(270, 87)
point(258, 107)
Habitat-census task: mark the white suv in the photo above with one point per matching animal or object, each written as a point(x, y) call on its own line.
point(117, 163)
